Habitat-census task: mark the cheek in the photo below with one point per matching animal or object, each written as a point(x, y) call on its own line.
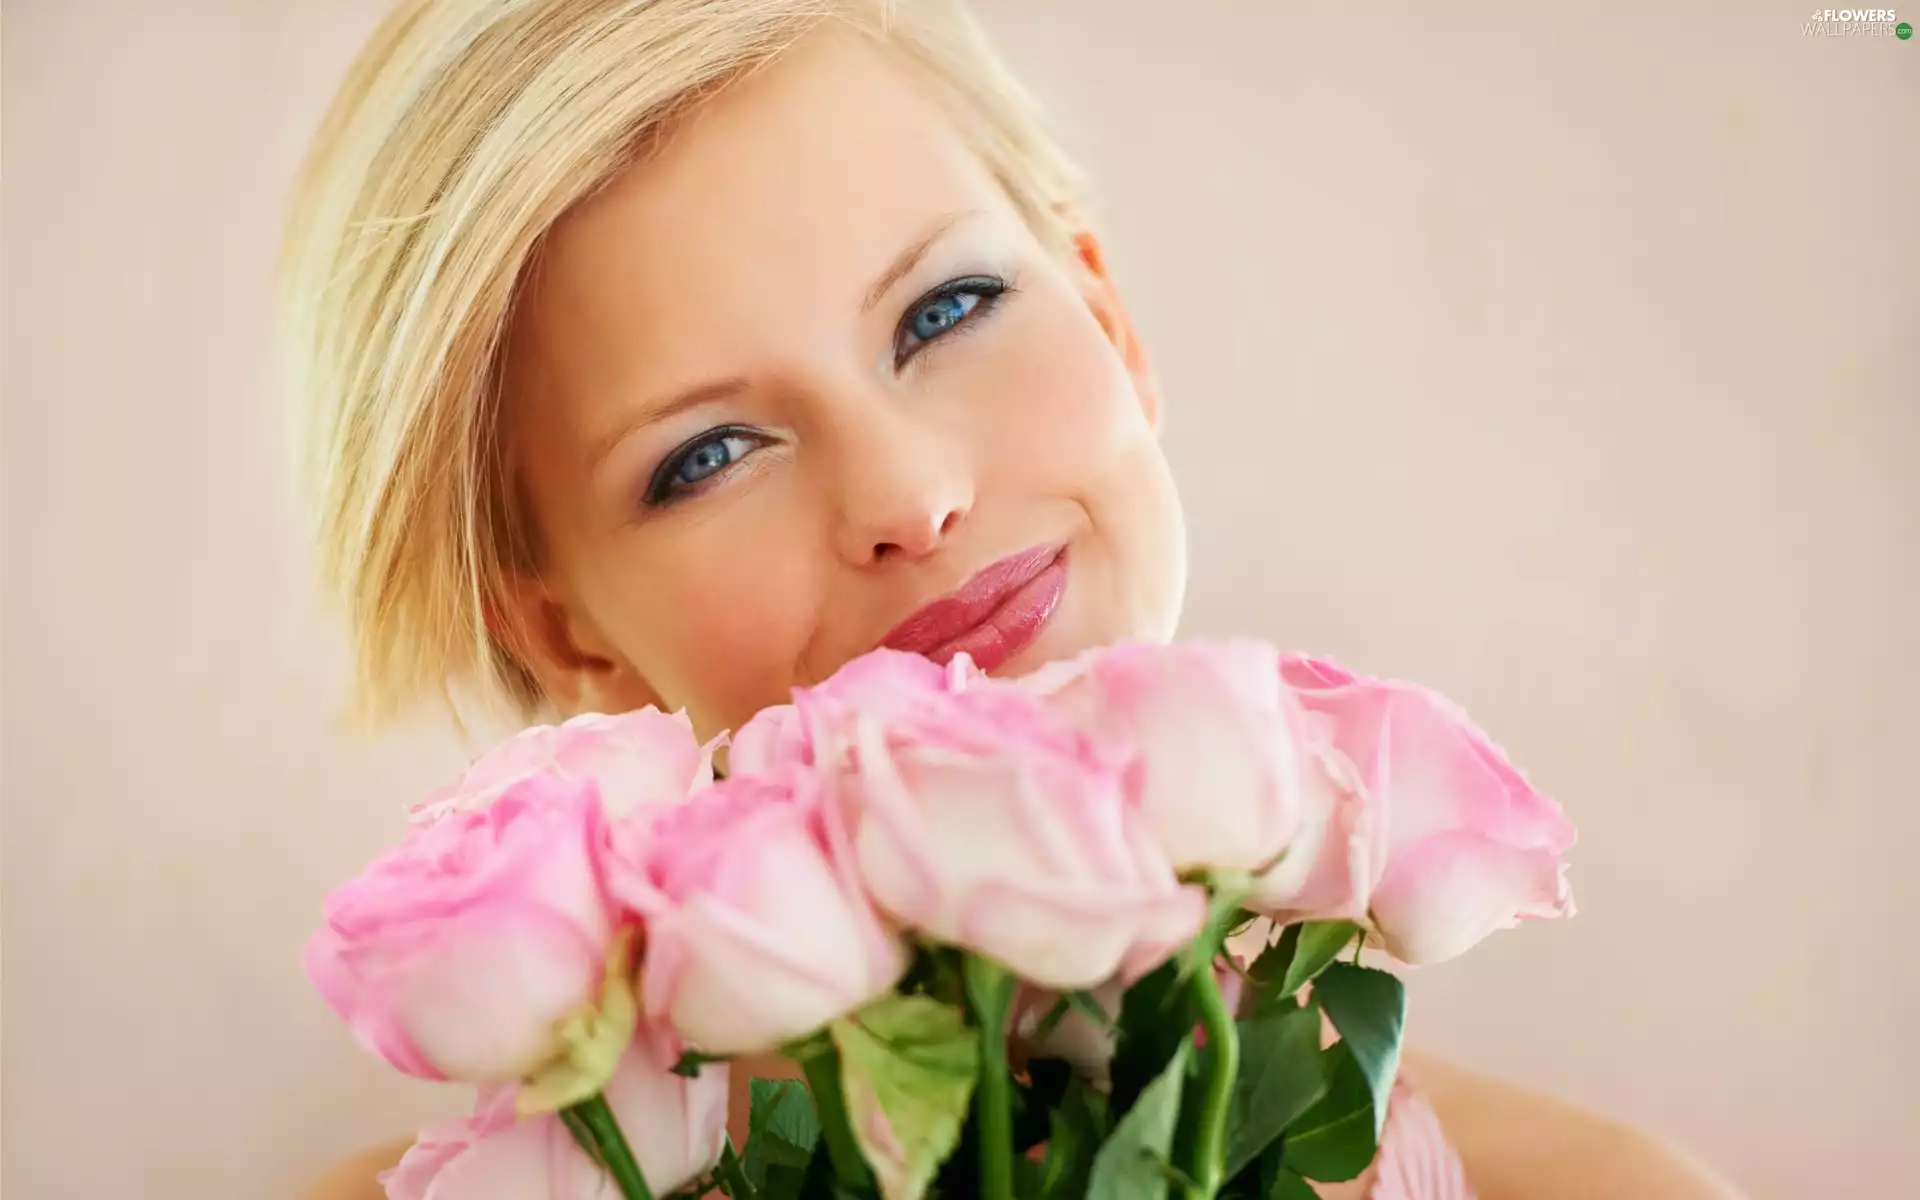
point(1064, 411)
point(720, 633)
point(1069, 425)
point(1137, 510)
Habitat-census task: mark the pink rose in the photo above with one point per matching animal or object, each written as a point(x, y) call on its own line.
point(983, 819)
point(455, 953)
point(768, 743)
point(758, 932)
point(785, 736)
point(438, 1145)
point(638, 759)
point(1456, 843)
point(675, 1127)
point(1219, 742)
point(1330, 865)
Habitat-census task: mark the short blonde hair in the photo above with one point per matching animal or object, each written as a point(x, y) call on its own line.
point(461, 134)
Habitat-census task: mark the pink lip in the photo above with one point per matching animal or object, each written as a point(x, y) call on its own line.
point(993, 616)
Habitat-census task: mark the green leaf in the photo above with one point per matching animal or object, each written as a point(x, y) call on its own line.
point(817, 1182)
point(1334, 1140)
point(1157, 1016)
point(907, 1066)
point(1269, 967)
point(1267, 974)
point(1369, 1008)
point(1280, 1078)
point(729, 1177)
point(1288, 1186)
point(781, 1183)
point(1131, 1165)
point(1303, 951)
point(1183, 1183)
point(1078, 1126)
point(792, 1119)
point(782, 1128)
point(1320, 943)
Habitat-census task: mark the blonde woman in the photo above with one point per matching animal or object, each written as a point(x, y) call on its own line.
point(675, 352)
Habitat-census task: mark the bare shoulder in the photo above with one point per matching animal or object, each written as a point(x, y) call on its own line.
point(358, 1178)
point(1517, 1143)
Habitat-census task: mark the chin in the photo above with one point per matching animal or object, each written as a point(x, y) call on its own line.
point(1059, 645)
point(1027, 661)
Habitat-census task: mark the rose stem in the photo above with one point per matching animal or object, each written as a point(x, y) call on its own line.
point(733, 1179)
point(614, 1151)
point(823, 1077)
point(990, 988)
point(1216, 1107)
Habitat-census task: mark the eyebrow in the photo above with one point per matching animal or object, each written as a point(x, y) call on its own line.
point(911, 256)
point(705, 393)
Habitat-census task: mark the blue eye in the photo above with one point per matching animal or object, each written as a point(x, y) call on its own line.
point(944, 309)
point(698, 461)
point(943, 314)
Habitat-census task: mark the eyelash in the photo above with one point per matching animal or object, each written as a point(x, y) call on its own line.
point(988, 290)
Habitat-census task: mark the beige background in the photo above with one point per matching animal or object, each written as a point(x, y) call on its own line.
point(1567, 363)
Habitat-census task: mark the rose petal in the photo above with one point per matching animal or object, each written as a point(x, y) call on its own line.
point(1439, 900)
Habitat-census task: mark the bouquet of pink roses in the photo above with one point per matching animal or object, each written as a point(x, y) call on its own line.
point(984, 917)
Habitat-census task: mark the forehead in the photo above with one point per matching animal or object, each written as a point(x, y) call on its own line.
point(785, 194)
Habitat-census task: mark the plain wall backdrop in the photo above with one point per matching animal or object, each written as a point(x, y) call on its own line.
point(1568, 361)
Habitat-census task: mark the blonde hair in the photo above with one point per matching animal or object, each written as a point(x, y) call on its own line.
point(461, 134)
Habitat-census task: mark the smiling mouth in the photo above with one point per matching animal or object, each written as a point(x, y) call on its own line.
point(993, 616)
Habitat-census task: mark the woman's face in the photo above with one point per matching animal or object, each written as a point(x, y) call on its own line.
point(803, 384)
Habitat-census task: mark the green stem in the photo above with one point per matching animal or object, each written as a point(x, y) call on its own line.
point(823, 1077)
point(990, 991)
point(732, 1177)
point(598, 1120)
point(993, 1103)
point(1216, 1107)
point(582, 1136)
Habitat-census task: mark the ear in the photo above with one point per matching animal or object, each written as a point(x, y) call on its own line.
point(557, 642)
point(1103, 298)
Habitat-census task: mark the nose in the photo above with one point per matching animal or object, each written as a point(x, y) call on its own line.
point(903, 486)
